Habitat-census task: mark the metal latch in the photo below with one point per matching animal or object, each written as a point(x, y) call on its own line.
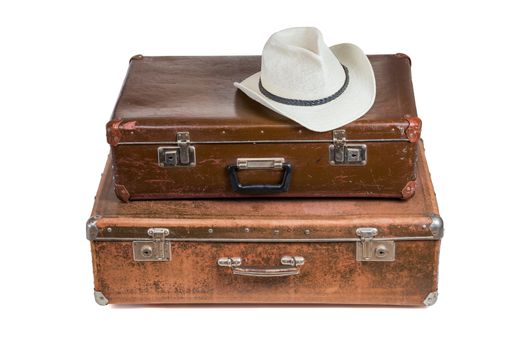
point(342, 153)
point(156, 249)
point(181, 155)
point(369, 249)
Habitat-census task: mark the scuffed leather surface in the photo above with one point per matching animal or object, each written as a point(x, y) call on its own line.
point(163, 95)
point(330, 275)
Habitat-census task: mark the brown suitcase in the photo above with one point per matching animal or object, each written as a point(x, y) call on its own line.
point(337, 251)
point(180, 129)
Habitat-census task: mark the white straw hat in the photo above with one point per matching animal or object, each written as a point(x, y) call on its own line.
point(319, 87)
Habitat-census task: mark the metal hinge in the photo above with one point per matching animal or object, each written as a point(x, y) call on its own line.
point(369, 249)
point(181, 155)
point(342, 153)
point(156, 249)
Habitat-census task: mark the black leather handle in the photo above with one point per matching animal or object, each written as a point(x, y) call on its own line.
point(260, 188)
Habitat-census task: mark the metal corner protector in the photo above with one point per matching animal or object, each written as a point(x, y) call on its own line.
point(100, 298)
point(431, 298)
point(437, 227)
point(91, 227)
point(136, 58)
point(413, 130)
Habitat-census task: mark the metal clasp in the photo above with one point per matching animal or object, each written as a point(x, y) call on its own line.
point(369, 249)
point(342, 153)
point(156, 249)
point(181, 155)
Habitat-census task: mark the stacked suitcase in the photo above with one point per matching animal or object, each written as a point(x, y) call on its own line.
point(208, 197)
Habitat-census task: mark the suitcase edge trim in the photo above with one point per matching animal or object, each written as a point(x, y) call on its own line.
point(115, 233)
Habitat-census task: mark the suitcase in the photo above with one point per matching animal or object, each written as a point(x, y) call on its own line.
point(244, 251)
point(180, 129)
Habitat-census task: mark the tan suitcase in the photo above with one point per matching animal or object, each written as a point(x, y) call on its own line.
point(321, 251)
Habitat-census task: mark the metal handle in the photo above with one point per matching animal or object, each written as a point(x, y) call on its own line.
point(260, 163)
point(290, 269)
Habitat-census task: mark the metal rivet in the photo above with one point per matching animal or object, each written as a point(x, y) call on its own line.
point(262, 131)
point(109, 229)
point(307, 232)
point(210, 230)
point(275, 232)
point(246, 229)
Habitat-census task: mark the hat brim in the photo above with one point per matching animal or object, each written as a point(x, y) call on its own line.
point(353, 103)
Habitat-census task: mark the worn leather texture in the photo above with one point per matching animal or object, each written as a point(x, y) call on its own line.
point(261, 231)
point(165, 95)
point(161, 95)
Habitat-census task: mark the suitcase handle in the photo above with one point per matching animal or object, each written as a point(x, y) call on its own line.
point(260, 163)
point(290, 269)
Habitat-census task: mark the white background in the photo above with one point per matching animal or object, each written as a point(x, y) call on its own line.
point(61, 68)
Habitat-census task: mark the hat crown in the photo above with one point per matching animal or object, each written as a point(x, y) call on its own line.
point(297, 64)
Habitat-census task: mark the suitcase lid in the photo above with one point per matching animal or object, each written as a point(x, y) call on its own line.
point(267, 220)
point(165, 95)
